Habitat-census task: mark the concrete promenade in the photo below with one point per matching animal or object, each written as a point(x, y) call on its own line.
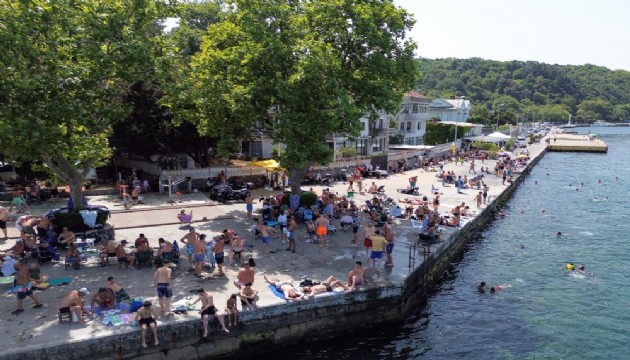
point(36, 329)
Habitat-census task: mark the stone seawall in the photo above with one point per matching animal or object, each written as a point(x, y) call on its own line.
point(274, 327)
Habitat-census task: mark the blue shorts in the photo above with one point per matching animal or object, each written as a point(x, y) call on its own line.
point(164, 290)
point(376, 255)
point(190, 250)
point(389, 248)
point(265, 240)
point(249, 208)
point(200, 258)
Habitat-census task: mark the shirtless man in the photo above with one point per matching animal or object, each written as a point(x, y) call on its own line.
point(292, 228)
point(162, 282)
point(389, 234)
point(120, 293)
point(321, 224)
point(66, 237)
point(104, 298)
point(109, 250)
point(285, 287)
point(74, 303)
point(190, 239)
point(368, 231)
point(264, 231)
point(249, 206)
point(43, 225)
point(237, 248)
point(16, 251)
point(327, 286)
point(140, 240)
point(207, 309)
point(4, 215)
point(356, 277)
point(123, 256)
point(166, 248)
point(199, 248)
point(23, 282)
point(245, 275)
point(219, 254)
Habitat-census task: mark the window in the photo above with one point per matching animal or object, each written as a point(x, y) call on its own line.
point(409, 126)
point(419, 125)
point(402, 126)
point(423, 109)
point(415, 108)
point(363, 126)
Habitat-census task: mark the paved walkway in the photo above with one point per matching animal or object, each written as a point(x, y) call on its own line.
point(36, 328)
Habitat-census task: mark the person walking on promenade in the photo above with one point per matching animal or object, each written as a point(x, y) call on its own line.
point(479, 199)
point(459, 183)
point(368, 231)
point(23, 283)
point(207, 309)
point(146, 319)
point(162, 282)
point(472, 167)
point(190, 239)
point(249, 205)
point(321, 226)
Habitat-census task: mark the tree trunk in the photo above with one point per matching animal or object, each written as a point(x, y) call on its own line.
point(76, 191)
point(296, 175)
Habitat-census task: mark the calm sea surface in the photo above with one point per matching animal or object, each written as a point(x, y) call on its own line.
point(547, 312)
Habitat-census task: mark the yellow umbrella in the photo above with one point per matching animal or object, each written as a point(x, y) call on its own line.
point(522, 156)
point(268, 164)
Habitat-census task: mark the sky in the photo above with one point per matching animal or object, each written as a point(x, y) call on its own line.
point(575, 32)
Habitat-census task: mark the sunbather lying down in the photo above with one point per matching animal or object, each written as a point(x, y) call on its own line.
point(327, 286)
point(286, 287)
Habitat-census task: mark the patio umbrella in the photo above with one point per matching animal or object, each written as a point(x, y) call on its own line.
point(506, 153)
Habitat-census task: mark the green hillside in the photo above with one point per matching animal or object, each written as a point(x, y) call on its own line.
point(527, 91)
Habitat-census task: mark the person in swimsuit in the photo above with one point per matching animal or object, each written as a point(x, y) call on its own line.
point(207, 309)
point(190, 239)
point(146, 319)
point(199, 247)
point(249, 296)
point(327, 286)
point(368, 232)
point(321, 224)
point(22, 281)
point(289, 291)
point(74, 303)
point(162, 282)
point(231, 310)
point(356, 277)
point(249, 206)
point(120, 293)
point(104, 298)
point(109, 250)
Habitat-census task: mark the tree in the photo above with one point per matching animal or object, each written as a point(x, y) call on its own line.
point(597, 109)
point(302, 69)
point(622, 112)
point(65, 67)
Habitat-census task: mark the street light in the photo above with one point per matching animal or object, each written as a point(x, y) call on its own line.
point(499, 112)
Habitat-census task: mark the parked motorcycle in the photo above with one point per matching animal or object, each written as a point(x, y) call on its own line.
point(224, 192)
point(318, 180)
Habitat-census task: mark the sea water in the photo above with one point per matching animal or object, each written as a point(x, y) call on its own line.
point(547, 311)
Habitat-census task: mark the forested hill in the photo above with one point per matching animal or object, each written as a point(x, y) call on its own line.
point(530, 89)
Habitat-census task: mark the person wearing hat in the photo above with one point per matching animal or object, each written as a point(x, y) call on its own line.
point(146, 319)
point(74, 303)
point(123, 256)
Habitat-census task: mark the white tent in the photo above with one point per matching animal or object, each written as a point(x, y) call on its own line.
point(499, 135)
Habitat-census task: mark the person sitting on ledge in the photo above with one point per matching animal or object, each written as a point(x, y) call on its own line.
point(356, 277)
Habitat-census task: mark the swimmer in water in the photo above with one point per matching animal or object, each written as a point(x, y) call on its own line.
point(581, 184)
point(498, 288)
point(522, 247)
point(582, 269)
point(536, 182)
point(558, 234)
point(482, 287)
point(542, 211)
point(522, 212)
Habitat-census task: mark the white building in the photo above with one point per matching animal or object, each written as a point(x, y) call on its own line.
point(373, 138)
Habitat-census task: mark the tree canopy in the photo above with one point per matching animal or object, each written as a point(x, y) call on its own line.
point(63, 72)
point(529, 90)
point(303, 70)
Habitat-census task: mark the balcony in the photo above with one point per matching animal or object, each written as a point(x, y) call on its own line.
point(414, 117)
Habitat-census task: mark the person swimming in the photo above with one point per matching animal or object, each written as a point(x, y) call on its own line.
point(481, 287)
point(497, 288)
point(558, 234)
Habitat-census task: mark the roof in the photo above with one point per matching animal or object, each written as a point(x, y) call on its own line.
point(416, 96)
point(457, 103)
point(460, 124)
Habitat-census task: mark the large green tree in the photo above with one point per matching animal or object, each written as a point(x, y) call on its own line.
point(301, 69)
point(64, 68)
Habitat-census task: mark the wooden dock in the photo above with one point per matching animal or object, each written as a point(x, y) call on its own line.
point(576, 143)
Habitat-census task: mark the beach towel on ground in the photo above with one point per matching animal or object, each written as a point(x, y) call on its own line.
point(60, 281)
point(276, 292)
